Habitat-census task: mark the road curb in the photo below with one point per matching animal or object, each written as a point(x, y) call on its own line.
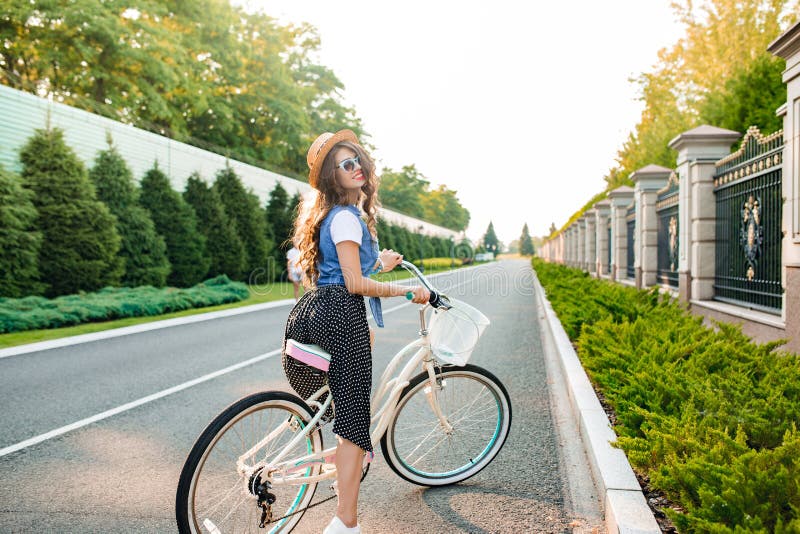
point(626, 511)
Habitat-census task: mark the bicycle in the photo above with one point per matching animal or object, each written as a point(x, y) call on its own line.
point(258, 463)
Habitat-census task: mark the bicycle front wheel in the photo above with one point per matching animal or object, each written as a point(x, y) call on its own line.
point(477, 409)
point(214, 497)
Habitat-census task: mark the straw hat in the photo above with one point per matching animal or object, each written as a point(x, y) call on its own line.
point(320, 148)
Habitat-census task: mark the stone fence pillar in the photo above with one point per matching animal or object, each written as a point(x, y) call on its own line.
point(787, 46)
point(648, 180)
point(698, 150)
point(568, 246)
point(620, 199)
point(590, 263)
point(602, 210)
point(581, 245)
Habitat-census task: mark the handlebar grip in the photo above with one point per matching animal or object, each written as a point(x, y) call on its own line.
point(434, 299)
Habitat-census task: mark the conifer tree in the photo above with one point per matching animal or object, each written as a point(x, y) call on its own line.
point(143, 250)
point(385, 234)
point(222, 244)
point(294, 206)
point(525, 242)
point(19, 241)
point(279, 224)
point(490, 241)
point(79, 237)
point(243, 208)
point(176, 222)
point(279, 217)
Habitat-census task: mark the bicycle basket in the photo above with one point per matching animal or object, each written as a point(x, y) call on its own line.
point(454, 333)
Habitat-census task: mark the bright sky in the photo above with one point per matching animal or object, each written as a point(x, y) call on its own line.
point(520, 106)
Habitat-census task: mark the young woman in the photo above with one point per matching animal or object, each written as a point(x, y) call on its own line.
point(338, 251)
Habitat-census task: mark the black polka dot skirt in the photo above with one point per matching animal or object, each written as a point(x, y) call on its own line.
point(334, 319)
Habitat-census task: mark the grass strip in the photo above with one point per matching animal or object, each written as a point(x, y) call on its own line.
point(257, 295)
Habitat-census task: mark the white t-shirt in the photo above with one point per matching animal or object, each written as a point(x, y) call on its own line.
point(292, 256)
point(345, 226)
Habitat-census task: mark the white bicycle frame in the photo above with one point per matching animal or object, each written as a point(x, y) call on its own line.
point(295, 471)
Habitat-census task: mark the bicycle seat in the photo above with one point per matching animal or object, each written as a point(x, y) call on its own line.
point(312, 355)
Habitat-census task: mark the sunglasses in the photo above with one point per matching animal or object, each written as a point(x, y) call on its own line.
point(349, 164)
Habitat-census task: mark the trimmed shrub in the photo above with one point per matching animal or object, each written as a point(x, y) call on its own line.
point(114, 303)
point(79, 237)
point(222, 244)
point(279, 218)
point(19, 241)
point(176, 222)
point(143, 251)
point(708, 415)
point(244, 209)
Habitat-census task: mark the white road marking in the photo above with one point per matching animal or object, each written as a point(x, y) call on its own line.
point(129, 406)
point(155, 396)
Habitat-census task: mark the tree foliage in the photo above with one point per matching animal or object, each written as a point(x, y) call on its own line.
point(408, 191)
point(79, 238)
point(203, 71)
point(719, 73)
point(224, 248)
point(19, 240)
point(143, 251)
point(176, 222)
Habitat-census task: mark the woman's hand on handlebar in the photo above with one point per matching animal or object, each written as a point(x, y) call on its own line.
point(390, 259)
point(420, 295)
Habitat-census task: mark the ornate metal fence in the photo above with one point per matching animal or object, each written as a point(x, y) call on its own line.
point(747, 185)
point(667, 213)
point(630, 220)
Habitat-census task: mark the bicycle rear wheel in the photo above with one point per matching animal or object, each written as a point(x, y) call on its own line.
point(213, 497)
point(477, 407)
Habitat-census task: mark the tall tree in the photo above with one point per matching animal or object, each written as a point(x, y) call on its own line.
point(176, 221)
point(19, 240)
point(204, 71)
point(442, 207)
point(525, 242)
point(721, 60)
point(79, 237)
point(403, 190)
point(280, 217)
point(223, 245)
point(750, 97)
point(244, 209)
point(279, 224)
point(142, 250)
point(490, 241)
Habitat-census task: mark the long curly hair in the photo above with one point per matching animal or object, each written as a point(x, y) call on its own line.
point(314, 208)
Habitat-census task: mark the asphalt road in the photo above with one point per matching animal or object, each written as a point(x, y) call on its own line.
point(119, 474)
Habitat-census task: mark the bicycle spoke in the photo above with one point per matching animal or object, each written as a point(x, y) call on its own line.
point(471, 409)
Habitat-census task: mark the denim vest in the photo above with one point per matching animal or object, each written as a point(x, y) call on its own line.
point(330, 272)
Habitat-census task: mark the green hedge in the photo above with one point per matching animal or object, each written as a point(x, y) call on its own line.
point(109, 303)
point(709, 416)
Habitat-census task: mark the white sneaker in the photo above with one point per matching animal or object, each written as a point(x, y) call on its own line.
point(337, 527)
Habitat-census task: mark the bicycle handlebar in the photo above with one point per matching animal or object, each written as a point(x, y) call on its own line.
point(437, 299)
